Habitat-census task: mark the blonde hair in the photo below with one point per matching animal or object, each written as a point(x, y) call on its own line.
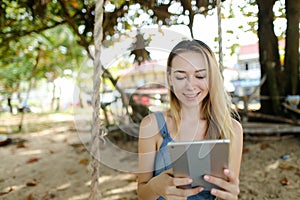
point(216, 107)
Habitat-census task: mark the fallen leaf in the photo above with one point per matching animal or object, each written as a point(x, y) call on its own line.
point(32, 160)
point(51, 151)
point(21, 145)
point(265, 146)
point(29, 197)
point(298, 172)
point(49, 196)
point(84, 161)
point(287, 167)
point(10, 190)
point(71, 171)
point(285, 181)
point(246, 150)
point(31, 183)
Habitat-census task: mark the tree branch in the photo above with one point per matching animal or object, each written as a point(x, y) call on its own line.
point(19, 34)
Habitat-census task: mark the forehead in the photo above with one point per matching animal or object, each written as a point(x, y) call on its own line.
point(189, 61)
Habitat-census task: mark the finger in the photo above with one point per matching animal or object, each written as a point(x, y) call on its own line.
point(176, 198)
point(231, 176)
point(183, 192)
point(230, 188)
point(217, 181)
point(220, 194)
point(182, 181)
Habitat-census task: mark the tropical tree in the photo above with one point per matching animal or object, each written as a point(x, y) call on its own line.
point(29, 19)
point(282, 79)
point(291, 63)
point(21, 18)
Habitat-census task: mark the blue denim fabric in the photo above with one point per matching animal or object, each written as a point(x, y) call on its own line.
point(163, 161)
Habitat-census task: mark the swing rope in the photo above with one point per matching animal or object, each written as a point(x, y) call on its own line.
point(220, 34)
point(97, 132)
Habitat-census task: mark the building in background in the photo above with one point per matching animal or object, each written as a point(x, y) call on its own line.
point(146, 83)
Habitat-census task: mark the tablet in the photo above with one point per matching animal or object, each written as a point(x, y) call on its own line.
point(198, 158)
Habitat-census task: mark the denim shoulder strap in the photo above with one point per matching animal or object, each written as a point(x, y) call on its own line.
point(161, 124)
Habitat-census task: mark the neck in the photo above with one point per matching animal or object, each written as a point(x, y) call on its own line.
point(192, 113)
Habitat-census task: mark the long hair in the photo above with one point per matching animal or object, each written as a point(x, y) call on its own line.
point(216, 106)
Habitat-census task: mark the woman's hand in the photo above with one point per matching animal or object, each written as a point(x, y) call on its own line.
point(230, 187)
point(167, 186)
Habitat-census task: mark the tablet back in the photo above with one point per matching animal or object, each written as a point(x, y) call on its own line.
point(195, 159)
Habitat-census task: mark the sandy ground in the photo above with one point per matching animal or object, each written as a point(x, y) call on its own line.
point(53, 163)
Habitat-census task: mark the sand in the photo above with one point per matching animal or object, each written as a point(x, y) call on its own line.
point(53, 163)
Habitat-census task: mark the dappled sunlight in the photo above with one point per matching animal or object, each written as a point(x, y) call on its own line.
point(116, 186)
point(61, 117)
point(64, 186)
point(32, 152)
point(50, 131)
point(119, 177)
point(12, 188)
point(80, 196)
point(128, 188)
point(113, 197)
point(274, 165)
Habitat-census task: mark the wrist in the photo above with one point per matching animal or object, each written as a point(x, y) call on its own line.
point(152, 186)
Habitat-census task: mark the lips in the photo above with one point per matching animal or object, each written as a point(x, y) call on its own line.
point(193, 95)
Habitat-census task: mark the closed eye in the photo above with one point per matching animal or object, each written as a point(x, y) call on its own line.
point(200, 77)
point(180, 77)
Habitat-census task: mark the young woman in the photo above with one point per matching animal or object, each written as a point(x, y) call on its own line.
point(199, 109)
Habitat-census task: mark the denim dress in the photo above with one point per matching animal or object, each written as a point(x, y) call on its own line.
point(162, 158)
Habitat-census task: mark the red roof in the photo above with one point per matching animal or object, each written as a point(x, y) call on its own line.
point(253, 48)
point(249, 49)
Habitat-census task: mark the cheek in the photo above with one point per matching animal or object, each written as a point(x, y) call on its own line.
point(204, 84)
point(178, 85)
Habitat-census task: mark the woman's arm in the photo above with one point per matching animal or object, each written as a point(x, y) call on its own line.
point(237, 148)
point(164, 184)
point(230, 187)
point(146, 150)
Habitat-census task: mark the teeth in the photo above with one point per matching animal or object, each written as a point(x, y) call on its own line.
point(190, 95)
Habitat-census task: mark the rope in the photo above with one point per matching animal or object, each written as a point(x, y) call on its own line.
point(97, 132)
point(220, 35)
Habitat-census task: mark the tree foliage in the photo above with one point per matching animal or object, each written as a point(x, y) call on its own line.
point(27, 27)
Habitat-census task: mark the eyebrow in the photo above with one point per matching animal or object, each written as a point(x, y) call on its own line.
point(181, 71)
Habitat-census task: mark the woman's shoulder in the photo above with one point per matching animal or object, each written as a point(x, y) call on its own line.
point(149, 126)
point(237, 129)
point(151, 119)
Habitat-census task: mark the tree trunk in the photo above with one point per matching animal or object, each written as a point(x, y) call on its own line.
point(9, 104)
point(291, 59)
point(29, 87)
point(53, 96)
point(268, 57)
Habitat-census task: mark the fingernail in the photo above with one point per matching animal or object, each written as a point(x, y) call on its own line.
point(190, 180)
point(213, 191)
point(226, 171)
point(206, 177)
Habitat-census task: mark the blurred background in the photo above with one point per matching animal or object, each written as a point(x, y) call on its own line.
point(47, 66)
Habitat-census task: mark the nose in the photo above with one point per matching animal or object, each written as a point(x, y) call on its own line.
point(191, 82)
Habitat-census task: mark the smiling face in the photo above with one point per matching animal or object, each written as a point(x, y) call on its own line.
point(188, 78)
